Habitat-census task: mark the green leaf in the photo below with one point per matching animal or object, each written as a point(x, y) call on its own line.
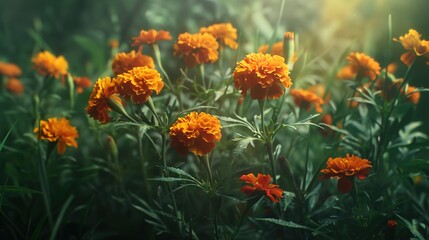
point(284, 223)
point(60, 217)
point(180, 172)
point(411, 227)
point(170, 179)
point(7, 135)
point(17, 189)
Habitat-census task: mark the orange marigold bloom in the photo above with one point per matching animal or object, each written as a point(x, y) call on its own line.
point(58, 130)
point(224, 33)
point(276, 49)
point(196, 133)
point(81, 83)
point(150, 37)
point(104, 90)
point(263, 75)
point(261, 184)
point(124, 62)
point(346, 168)
point(138, 84)
point(414, 45)
point(47, 64)
point(360, 65)
point(412, 96)
point(196, 48)
point(15, 86)
point(10, 70)
point(305, 98)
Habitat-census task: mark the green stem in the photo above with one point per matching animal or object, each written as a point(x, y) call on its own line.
point(203, 76)
point(355, 193)
point(206, 164)
point(143, 162)
point(157, 54)
point(304, 181)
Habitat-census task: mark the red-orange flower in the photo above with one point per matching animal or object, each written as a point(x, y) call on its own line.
point(263, 75)
point(47, 64)
point(124, 62)
point(104, 91)
point(81, 83)
point(196, 48)
point(58, 130)
point(360, 65)
point(150, 37)
point(305, 99)
point(414, 45)
point(9, 69)
point(139, 83)
point(196, 133)
point(15, 86)
point(345, 168)
point(261, 184)
point(224, 33)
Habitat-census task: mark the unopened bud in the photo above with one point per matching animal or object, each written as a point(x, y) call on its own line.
point(113, 147)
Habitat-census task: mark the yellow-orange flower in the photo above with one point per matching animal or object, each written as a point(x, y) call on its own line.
point(15, 86)
point(196, 133)
point(276, 49)
point(47, 64)
point(261, 184)
point(138, 83)
point(414, 45)
point(104, 89)
point(150, 37)
point(196, 48)
point(360, 65)
point(224, 33)
point(124, 62)
point(10, 69)
point(263, 75)
point(345, 168)
point(304, 99)
point(81, 83)
point(58, 130)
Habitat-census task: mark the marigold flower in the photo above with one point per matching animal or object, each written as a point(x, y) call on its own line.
point(345, 168)
point(196, 133)
point(15, 86)
point(124, 62)
point(360, 65)
point(305, 98)
point(414, 45)
point(276, 49)
point(261, 184)
point(81, 83)
point(150, 37)
point(138, 84)
point(104, 89)
point(196, 48)
point(224, 33)
point(263, 75)
point(10, 70)
point(411, 95)
point(47, 64)
point(58, 130)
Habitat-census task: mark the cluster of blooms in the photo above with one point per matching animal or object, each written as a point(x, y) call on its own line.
point(12, 72)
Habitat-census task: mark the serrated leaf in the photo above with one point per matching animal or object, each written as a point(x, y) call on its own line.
point(411, 227)
point(283, 223)
point(181, 172)
point(169, 179)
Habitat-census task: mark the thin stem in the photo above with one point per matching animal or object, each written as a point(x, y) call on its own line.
point(203, 76)
point(206, 164)
point(303, 187)
point(157, 54)
point(143, 162)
